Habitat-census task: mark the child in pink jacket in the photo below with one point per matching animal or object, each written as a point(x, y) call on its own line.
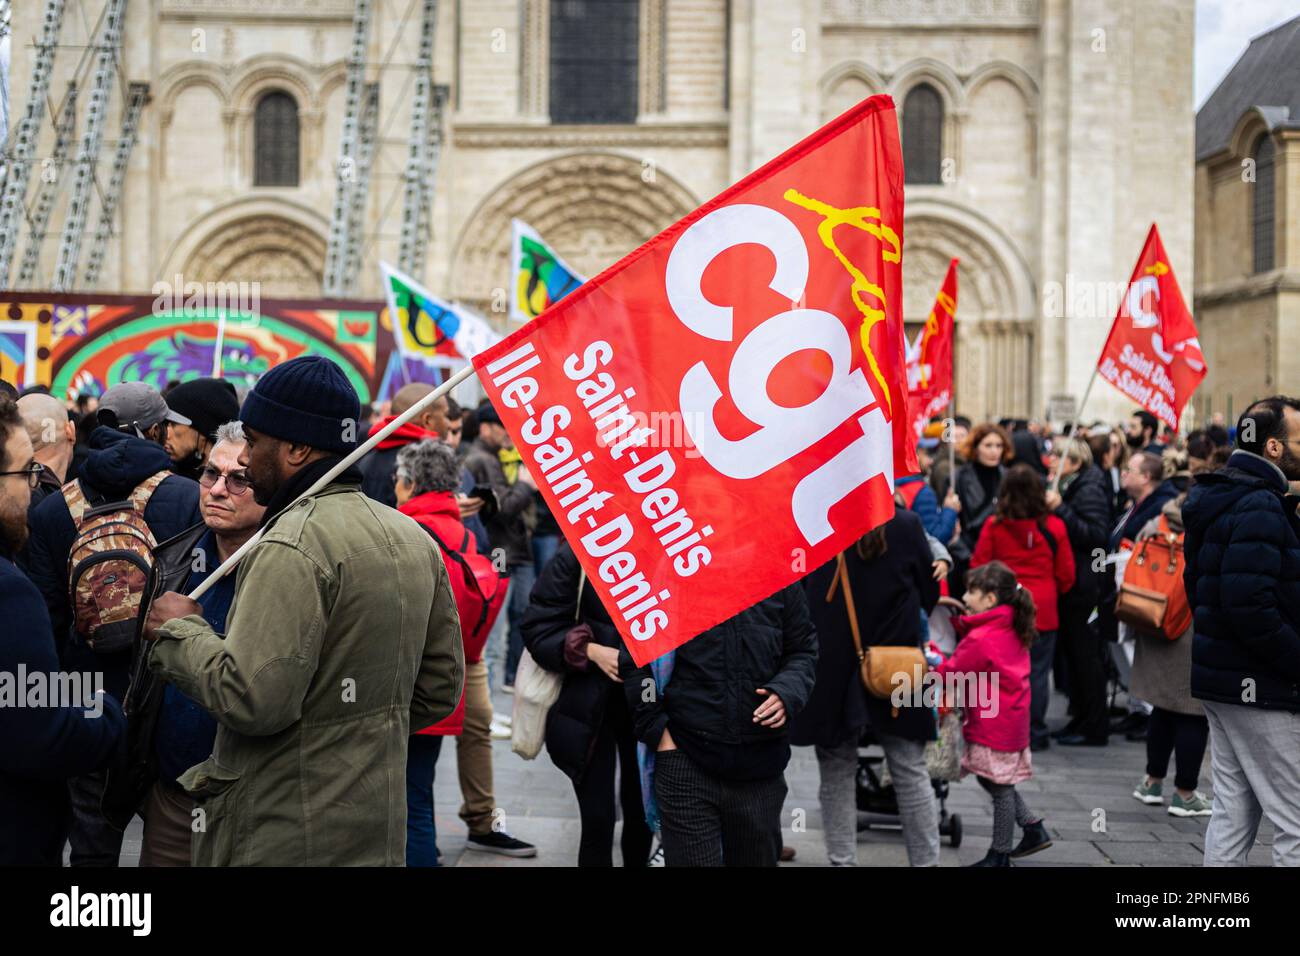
point(995, 639)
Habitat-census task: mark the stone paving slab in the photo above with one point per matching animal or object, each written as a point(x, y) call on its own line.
point(1068, 788)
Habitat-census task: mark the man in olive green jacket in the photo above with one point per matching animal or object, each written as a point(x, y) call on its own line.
point(343, 639)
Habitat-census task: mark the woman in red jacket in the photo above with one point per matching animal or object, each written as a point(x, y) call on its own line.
point(1034, 544)
point(425, 485)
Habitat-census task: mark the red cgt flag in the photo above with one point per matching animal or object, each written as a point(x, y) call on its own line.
point(1152, 354)
point(724, 409)
point(929, 358)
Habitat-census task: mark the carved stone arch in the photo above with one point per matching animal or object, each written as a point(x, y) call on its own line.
point(834, 79)
point(944, 81)
point(277, 243)
point(996, 311)
point(1016, 75)
point(263, 74)
point(591, 207)
point(258, 73)
point(935, 72)
point(176, 79)
point(1245, 135)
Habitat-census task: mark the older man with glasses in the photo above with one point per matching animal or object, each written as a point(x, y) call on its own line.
point(169, 732)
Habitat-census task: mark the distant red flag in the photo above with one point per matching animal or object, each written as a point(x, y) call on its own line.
point(1152, 354)
point(724, 409)
point(929, 358)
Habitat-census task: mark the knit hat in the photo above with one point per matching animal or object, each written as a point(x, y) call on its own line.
point(488, 415)
point(207, 402)
point(307, 400)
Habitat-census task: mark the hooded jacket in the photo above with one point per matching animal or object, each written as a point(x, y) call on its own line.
point(989, 645)
point(1242, 574)
point(116, 463)
point(1045, 568)
point(40, 746)
point(381, 464)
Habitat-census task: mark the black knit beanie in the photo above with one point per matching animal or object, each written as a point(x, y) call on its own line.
point(307, 400)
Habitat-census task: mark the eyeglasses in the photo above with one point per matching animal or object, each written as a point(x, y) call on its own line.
point(32, 471)
point(235, 484)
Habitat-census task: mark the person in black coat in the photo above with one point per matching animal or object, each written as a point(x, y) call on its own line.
point(1083, 503)
point(891, 575)
point(589, 728)
point(1242, 575)
point(988, 452)
point(118, 461)
point(42, 741)
point(719, 729)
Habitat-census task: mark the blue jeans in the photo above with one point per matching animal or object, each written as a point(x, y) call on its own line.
point(544, 548)
point(1041, 654)
point(522, 577)
point(421, 834)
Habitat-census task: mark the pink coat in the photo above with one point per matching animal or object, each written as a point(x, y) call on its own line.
point(990, 646)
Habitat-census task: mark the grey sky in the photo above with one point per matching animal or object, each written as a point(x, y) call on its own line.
point(1223, 31)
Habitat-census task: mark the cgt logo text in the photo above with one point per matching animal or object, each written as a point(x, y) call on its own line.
point(102, 909)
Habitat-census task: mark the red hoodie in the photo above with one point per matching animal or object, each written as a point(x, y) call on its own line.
point(1019, 544)
point(408, 433)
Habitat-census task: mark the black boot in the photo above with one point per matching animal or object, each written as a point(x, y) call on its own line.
point(994, 858)
point(1035, 839)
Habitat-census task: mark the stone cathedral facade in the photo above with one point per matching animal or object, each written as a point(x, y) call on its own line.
point(1042, 138)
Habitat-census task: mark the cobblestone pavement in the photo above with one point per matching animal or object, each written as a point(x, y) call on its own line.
point(1083, 793)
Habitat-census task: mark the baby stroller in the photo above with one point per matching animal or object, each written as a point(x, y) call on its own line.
point(877, 804)
point(878, 807)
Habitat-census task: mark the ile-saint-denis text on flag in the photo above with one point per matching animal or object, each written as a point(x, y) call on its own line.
point(724, 409)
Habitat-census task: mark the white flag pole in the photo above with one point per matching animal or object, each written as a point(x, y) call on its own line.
point(221, 335)
point(1078, 418)
point(337, 470)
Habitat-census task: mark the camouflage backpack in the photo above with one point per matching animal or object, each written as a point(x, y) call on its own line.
point(109, 564)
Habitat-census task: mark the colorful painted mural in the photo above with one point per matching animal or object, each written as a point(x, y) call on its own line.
point(79, 344)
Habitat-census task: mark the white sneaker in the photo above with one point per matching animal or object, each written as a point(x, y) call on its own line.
point(507, 688)
point(500, 731)
point(657, 857)
point(506, 720)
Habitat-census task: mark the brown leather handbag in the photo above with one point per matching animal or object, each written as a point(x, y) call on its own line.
point(878, 666)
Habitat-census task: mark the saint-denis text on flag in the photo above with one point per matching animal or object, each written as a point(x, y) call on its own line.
point(724, 409)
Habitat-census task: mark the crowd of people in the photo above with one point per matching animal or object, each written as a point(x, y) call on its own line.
point(295, 712)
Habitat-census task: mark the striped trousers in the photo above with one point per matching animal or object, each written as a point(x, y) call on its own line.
point(708, 821)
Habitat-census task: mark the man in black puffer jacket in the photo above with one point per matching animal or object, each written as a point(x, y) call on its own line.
point(1243, 583)
point(720, 731)
point(1083, 504)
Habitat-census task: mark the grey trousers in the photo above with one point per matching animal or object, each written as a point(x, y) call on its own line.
point(917, 809)
point(1255, 766)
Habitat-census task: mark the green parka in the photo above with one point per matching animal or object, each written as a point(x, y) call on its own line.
point(343, 638)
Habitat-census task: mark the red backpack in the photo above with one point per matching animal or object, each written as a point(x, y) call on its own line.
point(479, 588)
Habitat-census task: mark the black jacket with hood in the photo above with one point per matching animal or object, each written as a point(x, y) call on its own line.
point(116, 464)
point(1242, 574)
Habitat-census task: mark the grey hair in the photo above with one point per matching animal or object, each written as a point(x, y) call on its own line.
point(429, 466)
point(1079, 452)
point(232, 432)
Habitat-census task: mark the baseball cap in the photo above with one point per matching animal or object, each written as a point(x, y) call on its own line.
point(136, 404)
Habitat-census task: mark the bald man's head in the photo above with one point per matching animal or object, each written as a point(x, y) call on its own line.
point(46, 420)
point(408, 395)
point(52, 433)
